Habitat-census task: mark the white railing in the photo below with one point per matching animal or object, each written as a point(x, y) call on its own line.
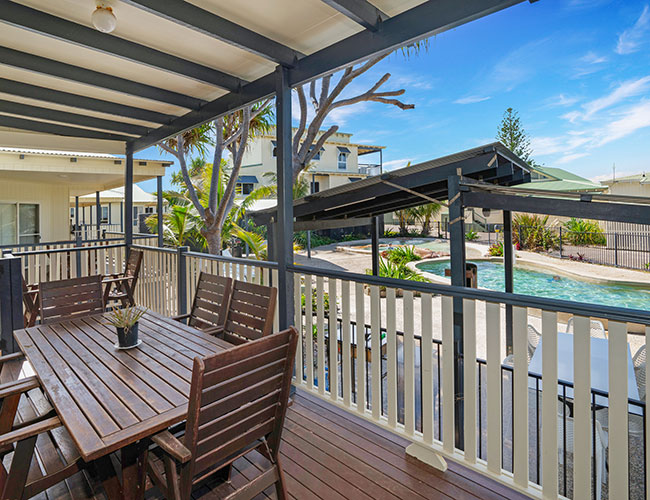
point(405, 382)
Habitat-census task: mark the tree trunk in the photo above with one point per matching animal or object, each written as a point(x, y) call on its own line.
point(213, 239)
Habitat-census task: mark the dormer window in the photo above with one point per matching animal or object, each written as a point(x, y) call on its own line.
point(343, 158)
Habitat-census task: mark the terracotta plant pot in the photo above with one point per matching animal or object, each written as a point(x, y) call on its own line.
point(127, 337)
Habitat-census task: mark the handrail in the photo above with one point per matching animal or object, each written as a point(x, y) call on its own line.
point(235, 260)
point(156, 249)
point(68, 249)
point(577, 308)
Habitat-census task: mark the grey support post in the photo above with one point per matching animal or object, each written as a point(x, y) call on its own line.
point(11, 302)
point(374, 235)
point(159, 209)
point(508, 262)
point(182, 279)
point(77, 234)
point(457, 250)
point(128, 197)
point(98, 206)
point(284, 226)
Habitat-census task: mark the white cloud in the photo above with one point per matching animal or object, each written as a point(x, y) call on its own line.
point(569, 158)
point(631, 39)
point(561, 101)
point(607, 177)
point(635, 118)
point(593, 58)
point(471, 99)
point(395, 164)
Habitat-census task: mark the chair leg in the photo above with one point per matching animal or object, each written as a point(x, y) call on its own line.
point(17, 478)
point(280, 484)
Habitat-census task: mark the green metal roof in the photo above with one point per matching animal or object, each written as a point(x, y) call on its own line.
point(557, 179)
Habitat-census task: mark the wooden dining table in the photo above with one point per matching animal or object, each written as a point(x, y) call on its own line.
point(114, 400)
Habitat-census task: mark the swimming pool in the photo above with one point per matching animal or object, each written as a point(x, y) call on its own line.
point(433, 245)
point(541, 284)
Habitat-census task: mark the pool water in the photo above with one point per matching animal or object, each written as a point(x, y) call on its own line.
point(527, 282)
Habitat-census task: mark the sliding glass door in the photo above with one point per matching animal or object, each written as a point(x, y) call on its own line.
point(8, 223)
point(29, 223)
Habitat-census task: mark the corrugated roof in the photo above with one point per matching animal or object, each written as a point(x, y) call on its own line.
point(73, 154)
point(562, 180)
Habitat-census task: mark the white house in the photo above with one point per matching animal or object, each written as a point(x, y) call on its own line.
point(36, 187)
point(336, 163)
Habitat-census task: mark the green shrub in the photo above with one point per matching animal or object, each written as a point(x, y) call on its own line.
point(390, 234)
point(388, 269)
point(402, 255)
point(471, 235)
point(317, 240)
point(584, 232)
point(314, 301)
point(496, 250)
point(530, 232)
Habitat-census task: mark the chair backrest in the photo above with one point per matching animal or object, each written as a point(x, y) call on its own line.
point(250, 313)
point(68, 299)
point(238, 401)
point(133, 263)
point(639, 362)
point(211, 301)
point(596, 328)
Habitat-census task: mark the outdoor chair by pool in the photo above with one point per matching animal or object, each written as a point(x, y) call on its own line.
point(250, 313)
point(533, 341)
point(121, 287)
point(237, 405)
point(210, 304)
point(596, 328)
point(30, 304)
point(72, 298)
point(639, 370)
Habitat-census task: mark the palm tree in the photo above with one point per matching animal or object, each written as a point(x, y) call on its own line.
point(425, 214)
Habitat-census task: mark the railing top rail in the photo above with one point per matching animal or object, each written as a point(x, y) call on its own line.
point(577, 308)
point(68, 249)
point(235, 260)
point(155, 249)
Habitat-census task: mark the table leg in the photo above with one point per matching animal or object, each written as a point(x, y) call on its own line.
point(134, 470)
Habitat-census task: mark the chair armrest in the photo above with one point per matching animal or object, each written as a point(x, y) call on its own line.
point(18, 386)
point(117, 280)
point(29, 431)
point(214, 330)
point(181, 317)
point(11, 357)
point(172, 446)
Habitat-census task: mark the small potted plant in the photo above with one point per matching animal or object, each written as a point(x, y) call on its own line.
point(125, 322)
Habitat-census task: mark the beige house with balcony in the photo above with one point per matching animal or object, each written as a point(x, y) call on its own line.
point(38, 189)
point(338, 162)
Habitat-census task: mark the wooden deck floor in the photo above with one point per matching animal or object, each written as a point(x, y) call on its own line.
point(331, 455)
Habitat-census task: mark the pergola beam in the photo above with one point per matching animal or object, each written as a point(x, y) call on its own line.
point(427, 19)
point(38, 64)
point(56, 129)
point(62, 29)
point(360, 11)
point(28, 111)
point(207, 23)
point(44, 94)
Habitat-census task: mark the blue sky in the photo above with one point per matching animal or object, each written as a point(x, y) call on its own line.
point(577, 71)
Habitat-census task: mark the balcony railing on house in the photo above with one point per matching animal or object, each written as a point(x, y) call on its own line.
point(398, 369)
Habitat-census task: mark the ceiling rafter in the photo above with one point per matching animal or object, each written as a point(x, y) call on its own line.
point(56, 129)
point(21, 89)
point(207, 23)
point(38, 64)
point(68, 31)
point(29, 111)
point(360, 11)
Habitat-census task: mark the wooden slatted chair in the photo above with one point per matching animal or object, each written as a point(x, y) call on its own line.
point(237, 405)
point(121, 286)
point(72, 298)
point(210, 303)
point(30, 304)
point(36, 450)
point(250, 313)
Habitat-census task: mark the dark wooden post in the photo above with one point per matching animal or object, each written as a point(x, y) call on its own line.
point(457, 251)
point(508, 262)
point(99, 214)
point(374, 235)
point(77, 237)
point(121, 216)
point(11, 302)
point(159, 209)
point(182, 279)
point(128, 197)
point(284, 234)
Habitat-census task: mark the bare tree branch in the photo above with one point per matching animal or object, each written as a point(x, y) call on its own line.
point(319, 143)
point(186, 176)
point(312, 94)
point(216, 164)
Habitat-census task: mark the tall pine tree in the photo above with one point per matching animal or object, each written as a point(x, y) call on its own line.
point(512, 135)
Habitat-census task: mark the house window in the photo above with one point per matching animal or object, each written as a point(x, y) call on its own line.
point(8, 223)
point(274, 148)
point(135, 216)
point(315, 187)
point(19, 223)
point(148, 210)
point(72, 212)
point(104, 215)
point(246, 187)
point(343, 161)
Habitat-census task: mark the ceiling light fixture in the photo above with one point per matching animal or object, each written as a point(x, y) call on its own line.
point(103, 18)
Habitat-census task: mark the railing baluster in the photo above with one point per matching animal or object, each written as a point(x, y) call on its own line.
point(320, 333)
point(276, 314)
point(409, 364)
point(309, 332)
point(333, 366)
point(426, 348)
point(391, 346)
point(581, 409)
point(549, 405)
point(346, 355)
point(618, 411)
point(360, 365)
point(469, 373)
point(520, 397)
point(375, 351)
point(494, 382)
point(297, 311)
point(447, 315)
